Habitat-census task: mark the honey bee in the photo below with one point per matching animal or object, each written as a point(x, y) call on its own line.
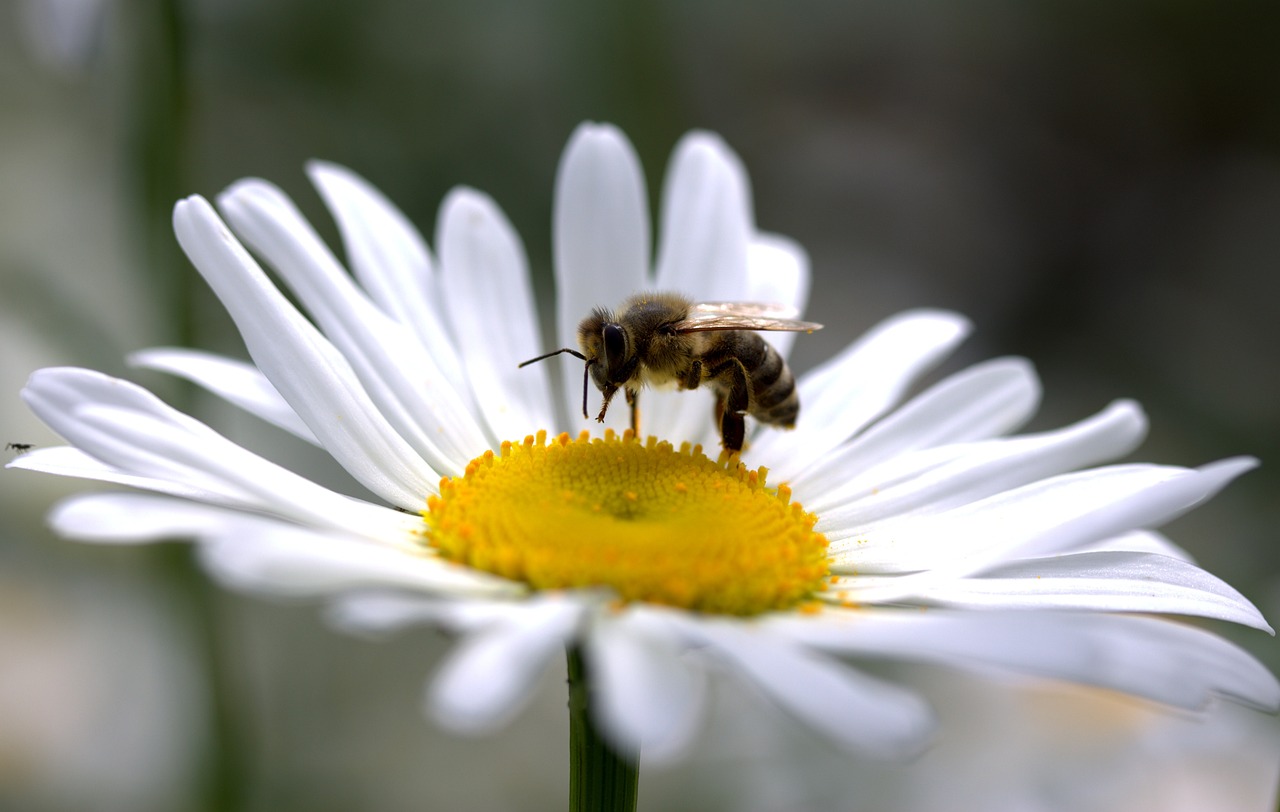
point(664, 340)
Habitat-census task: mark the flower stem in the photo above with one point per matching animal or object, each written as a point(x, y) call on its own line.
point(600, 778)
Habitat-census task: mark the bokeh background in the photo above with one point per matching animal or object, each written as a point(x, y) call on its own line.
point(1096, 184)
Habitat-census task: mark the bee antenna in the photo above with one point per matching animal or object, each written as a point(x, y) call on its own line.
point(548, 355)
point(586, 371)
point(586, 378)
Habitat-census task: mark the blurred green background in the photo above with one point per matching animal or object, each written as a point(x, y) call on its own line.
point(1096, 184)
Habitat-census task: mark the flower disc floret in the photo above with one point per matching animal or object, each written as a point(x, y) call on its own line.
point(651, 522)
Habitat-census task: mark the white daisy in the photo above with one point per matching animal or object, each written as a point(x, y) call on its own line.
point(930, 532)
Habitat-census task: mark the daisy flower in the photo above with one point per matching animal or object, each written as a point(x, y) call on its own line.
point(892, 522)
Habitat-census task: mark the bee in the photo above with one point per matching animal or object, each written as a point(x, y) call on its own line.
point(665, 340)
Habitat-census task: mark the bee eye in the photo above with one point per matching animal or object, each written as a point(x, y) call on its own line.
point(615, 344)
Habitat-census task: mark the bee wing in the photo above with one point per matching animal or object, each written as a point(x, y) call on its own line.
point(707, 316)
point(767, 310)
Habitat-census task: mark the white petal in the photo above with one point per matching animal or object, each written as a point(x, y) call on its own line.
point(706, 222)
point(309, 373)
point(678, 416)
point(600, 239)
point(703, 249)
point(490, 675)
point(295, 562)
point(1055, 515)
point(402, 379)
point(131, 431)
point(778, 272)
point(72, 462)
point(850, 707)
point(391, 260)
point(1159, 659)
point(383, 613)
point(237, 382)
point(133, 518)
point(485, 282)
point(1139, 541)
point(840, 397)
point(649, 700)
point(262, 555)
point(1100, 581)
point(985, 469)
point(979, 402)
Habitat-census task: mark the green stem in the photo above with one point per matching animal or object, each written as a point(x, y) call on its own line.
point(600, 778)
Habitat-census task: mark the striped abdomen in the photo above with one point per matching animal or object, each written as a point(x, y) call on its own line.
point(771, 387)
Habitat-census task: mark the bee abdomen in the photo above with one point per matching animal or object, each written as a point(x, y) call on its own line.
point(773, 390)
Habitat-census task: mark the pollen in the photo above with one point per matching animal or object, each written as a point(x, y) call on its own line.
point(653, 523)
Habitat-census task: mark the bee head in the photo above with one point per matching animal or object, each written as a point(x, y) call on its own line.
point(607, 345)
point(606, 349)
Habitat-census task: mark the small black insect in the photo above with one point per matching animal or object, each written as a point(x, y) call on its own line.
point(19, 447)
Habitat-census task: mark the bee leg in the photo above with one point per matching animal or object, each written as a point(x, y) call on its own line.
point(608, 393)
point(732, 431)
point(693, 376)
point(731, 408)
point(725, 421)
point(633, 400)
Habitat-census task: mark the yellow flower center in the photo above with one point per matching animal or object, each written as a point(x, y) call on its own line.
point(651, 522)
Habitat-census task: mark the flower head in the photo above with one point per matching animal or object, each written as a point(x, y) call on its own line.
point(882, 526)
point(692, 533)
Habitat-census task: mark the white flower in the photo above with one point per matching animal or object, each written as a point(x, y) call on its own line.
point(951, 540)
